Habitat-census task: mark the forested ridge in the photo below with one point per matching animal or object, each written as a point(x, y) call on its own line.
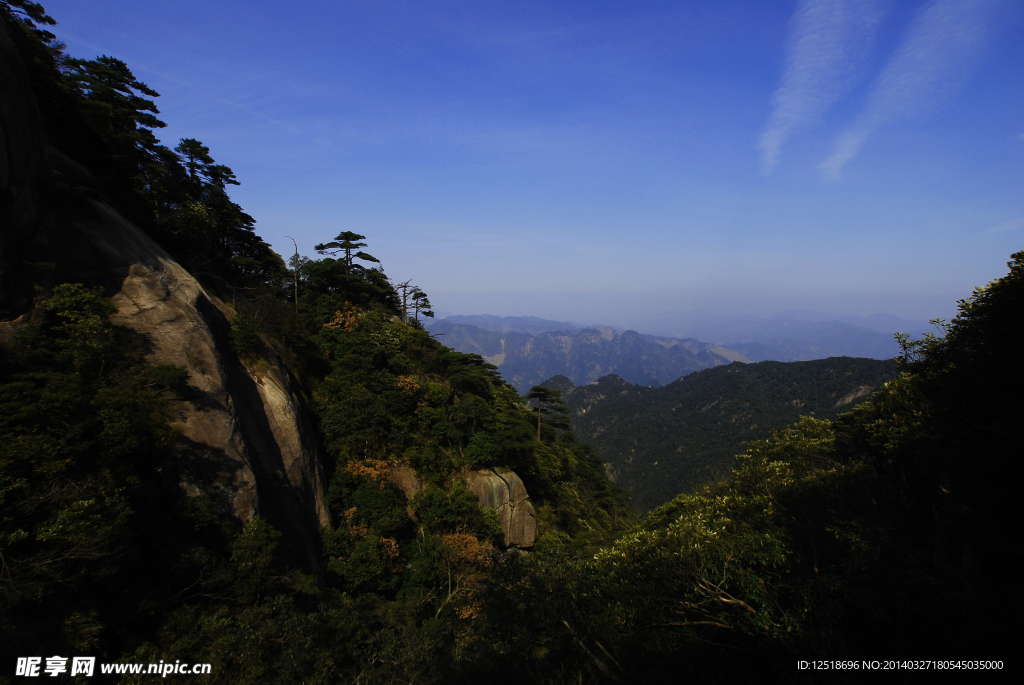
point(659, 442)
point(884, 532)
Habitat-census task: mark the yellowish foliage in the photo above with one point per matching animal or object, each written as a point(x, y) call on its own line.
point(390, 546)
point(469, 549)
point(346, 320)
point(469, 611)
point(407, 385)
point(371, 469)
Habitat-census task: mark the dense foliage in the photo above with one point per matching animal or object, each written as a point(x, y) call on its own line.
point(660, 442)
point(396, 399)
point(95, 537)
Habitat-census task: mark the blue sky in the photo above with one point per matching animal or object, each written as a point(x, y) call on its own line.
point(612, 162)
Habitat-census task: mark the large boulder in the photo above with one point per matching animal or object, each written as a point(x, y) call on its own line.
point(504, 492)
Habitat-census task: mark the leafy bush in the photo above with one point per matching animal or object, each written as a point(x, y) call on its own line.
point(245, 339)
point(452, 511)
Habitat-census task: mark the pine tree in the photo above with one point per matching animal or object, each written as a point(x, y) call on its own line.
point(346, 241)
point(421, 303)
point(116, 105)
point(550, 404)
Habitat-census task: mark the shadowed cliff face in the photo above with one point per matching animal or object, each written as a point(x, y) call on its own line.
point(21, 163)
point(244, 438)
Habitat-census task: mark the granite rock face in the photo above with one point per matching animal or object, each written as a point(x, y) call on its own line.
point(504, 492)
point(405, 479)
point(245, 439)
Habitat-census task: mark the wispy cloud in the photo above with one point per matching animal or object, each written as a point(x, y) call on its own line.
point(1008, 226)
point(933, 61)
point(828, 43)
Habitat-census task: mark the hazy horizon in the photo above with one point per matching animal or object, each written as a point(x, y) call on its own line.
point(593, 312)
point(607, 162)
point(683, 326)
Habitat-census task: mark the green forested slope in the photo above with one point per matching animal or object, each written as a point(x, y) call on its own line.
point(663, 441)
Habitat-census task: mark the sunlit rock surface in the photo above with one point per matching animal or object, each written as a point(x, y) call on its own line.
point(504, 492)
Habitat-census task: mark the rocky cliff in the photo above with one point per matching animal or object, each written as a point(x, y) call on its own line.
point(244, 439)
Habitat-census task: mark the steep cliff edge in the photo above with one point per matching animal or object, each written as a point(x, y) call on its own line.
point(245, 439)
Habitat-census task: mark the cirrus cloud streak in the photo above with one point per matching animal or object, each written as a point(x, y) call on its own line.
point(828, 45)
point(934, 60)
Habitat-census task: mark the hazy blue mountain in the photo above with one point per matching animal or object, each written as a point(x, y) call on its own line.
point(584, 355)
point(658, 442)
point(889, 324)
point(791, 340)
point(509, 324)
point(802, 335)
point(794, 335)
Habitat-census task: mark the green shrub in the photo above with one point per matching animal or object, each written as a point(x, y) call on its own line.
point(245, 339)
point(444, 511)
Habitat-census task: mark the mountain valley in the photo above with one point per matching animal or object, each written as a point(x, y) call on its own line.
point(658, 442)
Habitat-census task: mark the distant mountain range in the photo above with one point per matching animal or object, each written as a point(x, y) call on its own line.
point(792, 340)
point(799, 335)
point(582, 355)
point(796, 335)
point(658, 442)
